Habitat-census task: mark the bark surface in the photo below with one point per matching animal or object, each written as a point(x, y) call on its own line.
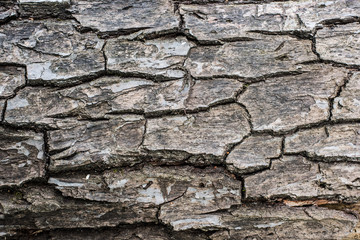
point(179, 119)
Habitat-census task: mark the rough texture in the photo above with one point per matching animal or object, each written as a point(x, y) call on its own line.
point(347, 104)
point(2, 107)
point(107, 95)
point(253, 154)
point(43, 8)
point(47, 210)
point(52, 51)
point(113, 142)
point(199, 133)
point(228, 22)
point(11, 79)
point(155, 186)
point(154, 16)
point(272, 222)
point(339, 43)
point(152, 231)
point(284, 103)
point(179, 119)
point(160, 57)
point(265, 56)
point(297, 178)
point(331, 143)
point(22, 156)
point(7, 11)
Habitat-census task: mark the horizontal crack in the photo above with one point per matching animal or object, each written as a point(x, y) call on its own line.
point(295, 33)
point(324, 159)
point(253, 79)
point(307, 126)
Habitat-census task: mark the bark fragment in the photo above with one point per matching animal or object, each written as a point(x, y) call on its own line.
point(330, 143)
point(253, 154)
point(159, 57)
point(53, 51)
point(227, 22)
point(284, 103)
point(339, 43)
point(295, 177)
point(347, 104)
point(126, 16)
point(250, 59)
point(206, 133)
point(87, 144)
point(22, 156)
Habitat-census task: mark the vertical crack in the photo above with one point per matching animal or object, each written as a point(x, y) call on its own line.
point(3, 112)
point(232, 146)
point(46, 154)
point(248, 116)
point(162, 204)
point(282, 149)
point(338, 91)
point(15, 91)
point(243, 189)
point(242, 90)
point(144, 132)
point(313, 44)
point(26, 76)
point(181, 16)
point(105, 57)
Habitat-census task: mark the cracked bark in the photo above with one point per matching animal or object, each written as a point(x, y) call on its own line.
point(210, 119)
